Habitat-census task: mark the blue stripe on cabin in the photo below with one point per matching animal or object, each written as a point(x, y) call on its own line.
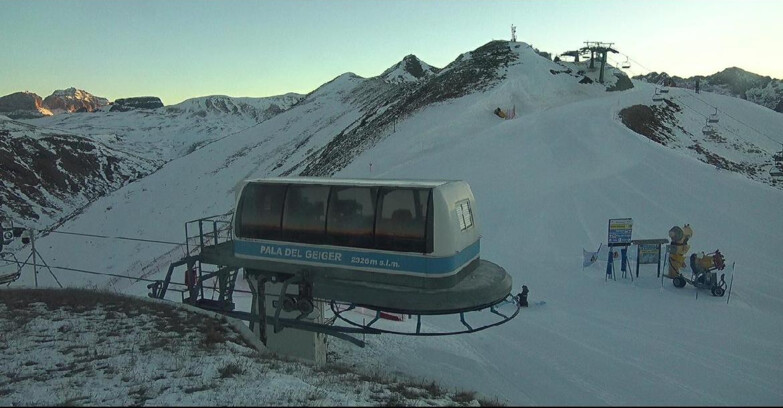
point(394, 262)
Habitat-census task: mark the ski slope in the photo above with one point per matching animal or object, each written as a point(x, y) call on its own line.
point(546, 185)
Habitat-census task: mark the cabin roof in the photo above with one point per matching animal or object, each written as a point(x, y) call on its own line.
point(351, 181)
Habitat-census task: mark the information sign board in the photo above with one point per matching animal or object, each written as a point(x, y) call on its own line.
point(620, 231)
point(649, 253)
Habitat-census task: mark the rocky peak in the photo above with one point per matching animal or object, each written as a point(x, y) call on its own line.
point(410, 69)
point(738, 80)
point(23, 105)
point(141, 102)
point(73, 100)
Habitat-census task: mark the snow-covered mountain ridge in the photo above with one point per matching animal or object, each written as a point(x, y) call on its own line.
point(51, 166)
point(761, 90)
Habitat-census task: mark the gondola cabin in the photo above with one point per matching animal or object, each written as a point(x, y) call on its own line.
point(405, 245)
point(424, 229)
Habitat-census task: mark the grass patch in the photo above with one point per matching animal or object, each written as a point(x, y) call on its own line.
point(407, 391)
point(494, 402)
point(202, 387)
point(72, 402)
point(214, 334)
point(433, 389)
point(338, 369)
point(140, 395)
point(464, 397)
point(230, 370)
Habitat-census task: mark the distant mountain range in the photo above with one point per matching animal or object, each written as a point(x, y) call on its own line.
point(317, 134)
point(28, 105)
point(737, 82)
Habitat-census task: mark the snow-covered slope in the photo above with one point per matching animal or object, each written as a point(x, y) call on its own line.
point(135, 143)
point(546, 184)
point(173, 131)
point(48, 174)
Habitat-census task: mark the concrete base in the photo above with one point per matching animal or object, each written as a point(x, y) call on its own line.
point(299, 344)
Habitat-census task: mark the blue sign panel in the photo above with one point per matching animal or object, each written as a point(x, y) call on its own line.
point(620, 231)
point(334, 256)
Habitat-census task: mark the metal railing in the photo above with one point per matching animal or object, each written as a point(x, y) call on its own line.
point(208, 231)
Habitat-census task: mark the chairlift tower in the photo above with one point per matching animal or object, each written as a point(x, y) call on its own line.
point(513, 33)
point(600, 49)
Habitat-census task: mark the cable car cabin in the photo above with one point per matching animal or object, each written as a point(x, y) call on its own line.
point(391, 235)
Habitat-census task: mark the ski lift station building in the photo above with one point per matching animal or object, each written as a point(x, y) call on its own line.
point(420, 237)
point(410, 247)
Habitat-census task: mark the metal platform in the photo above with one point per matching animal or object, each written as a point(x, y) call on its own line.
point(292, 291)
point(479, 285)
point(485, 285)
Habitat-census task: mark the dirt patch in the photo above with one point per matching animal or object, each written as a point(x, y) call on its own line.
point(646, 121)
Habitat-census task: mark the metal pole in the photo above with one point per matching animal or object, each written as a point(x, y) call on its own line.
point(637, 260)
point(730, 282)
point(200, 235)
point(187, 241)
point(50, 270)
point(35, 267)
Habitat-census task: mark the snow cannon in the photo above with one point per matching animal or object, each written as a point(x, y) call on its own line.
point(702, 265)
point(678, 248)
point(703, 276)
point(705, 263)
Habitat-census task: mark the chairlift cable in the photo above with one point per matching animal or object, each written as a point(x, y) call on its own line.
point(732, 117)
point(110, 237)
point(706, 116)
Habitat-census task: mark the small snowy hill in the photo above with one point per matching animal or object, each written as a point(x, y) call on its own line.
point(546, 184)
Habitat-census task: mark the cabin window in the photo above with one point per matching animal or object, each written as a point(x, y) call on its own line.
point(402, 220)
point(304, 215)
point(351, 216)
point(464, 215)
point(260, 210)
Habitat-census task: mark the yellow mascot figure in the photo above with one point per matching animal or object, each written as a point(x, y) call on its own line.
point(678, 248)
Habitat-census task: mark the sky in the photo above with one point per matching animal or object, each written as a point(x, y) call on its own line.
point(183, 49)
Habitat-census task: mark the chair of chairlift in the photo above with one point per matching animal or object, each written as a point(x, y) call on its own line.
point(714, 117)
point(708, 130)
point(657, 97)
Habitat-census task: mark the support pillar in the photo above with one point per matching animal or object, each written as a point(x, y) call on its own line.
point(296, 343)
point(258, 306)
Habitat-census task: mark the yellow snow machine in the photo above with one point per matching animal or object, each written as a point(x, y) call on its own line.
point(703, 276)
